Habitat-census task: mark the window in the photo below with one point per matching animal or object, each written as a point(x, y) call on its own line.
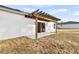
point(54, 26)
point(41, 27)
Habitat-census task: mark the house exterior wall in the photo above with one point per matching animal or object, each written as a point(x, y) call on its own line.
point(14, 25)
point(49, 26)
point(70, 26)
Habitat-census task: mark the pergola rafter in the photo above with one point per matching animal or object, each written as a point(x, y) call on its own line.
point(44, 15)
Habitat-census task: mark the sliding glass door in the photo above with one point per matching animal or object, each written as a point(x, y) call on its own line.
point(41, 27)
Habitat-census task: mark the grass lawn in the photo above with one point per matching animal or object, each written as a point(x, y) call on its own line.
point(63, 42)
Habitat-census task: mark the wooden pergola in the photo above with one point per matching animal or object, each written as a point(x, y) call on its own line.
point(40, 15)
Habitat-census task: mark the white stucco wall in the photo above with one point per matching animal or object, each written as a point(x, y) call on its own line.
point(14, 25)
point(50, 27)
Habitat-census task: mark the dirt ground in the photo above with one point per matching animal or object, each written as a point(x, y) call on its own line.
point(64, 42)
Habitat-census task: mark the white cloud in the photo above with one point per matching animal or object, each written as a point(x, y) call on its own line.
point(28, 9)
point(56, 11)
point(38, 6)
point(62, 10)
point(76, 13)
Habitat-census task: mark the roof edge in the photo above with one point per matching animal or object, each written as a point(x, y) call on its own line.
point(9, 9)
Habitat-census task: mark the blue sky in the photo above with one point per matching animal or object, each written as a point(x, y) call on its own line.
point(64, 12)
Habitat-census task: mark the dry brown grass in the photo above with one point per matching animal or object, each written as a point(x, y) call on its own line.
point(62, 42)
point(18, 45)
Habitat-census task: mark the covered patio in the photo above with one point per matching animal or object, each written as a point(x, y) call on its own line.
point(42, 16)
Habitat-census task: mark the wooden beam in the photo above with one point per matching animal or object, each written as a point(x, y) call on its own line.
point(36, 28)
point(40, 16)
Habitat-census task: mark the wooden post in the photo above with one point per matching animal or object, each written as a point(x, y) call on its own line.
point(56, 27)
point(36, 28)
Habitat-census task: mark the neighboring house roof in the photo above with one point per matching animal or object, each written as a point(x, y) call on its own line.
point(69, 22)
point(42, 16)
